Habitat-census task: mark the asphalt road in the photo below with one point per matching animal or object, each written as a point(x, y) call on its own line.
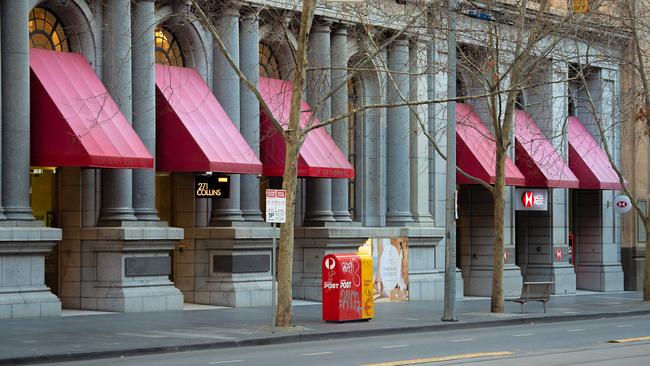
point(568, 343)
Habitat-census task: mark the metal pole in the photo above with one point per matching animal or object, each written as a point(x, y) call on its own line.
point(273, 278)
point(450, 207)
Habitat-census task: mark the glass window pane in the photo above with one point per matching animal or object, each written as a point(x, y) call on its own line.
point(640, 228)
point(46, 31)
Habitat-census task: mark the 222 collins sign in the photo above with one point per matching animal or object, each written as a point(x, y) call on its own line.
point(527, 199)
point(212, 186)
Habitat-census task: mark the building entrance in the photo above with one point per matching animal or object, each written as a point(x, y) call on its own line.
point(43, 184)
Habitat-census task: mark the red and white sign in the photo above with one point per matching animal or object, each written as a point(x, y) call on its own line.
point(622, 204)
point(528, 199)
point(276, 205)
point(558, 254)
point(531, 199)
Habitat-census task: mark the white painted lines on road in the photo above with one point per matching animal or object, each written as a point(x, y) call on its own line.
point(416, 361)
point(522, 335)
point(396, 346)
point(576, 330)
point(463, 340)
point(316, 354)
point(628, 340)
point(224, 362)
point(623, 325)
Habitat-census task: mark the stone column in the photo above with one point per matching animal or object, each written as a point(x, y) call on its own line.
point(15, 110)
point(319, 190)
point(144, 105)
point(398, 136)
point(419, 145)
point(226, 89)
point(339, 57)
point(117, 195)
point(2, 215)
point(249, 38)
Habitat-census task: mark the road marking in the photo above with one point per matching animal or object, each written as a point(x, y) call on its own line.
point(316, 354)
point(623, 325)
point(463, 340)
point(522, 335)
point(627, 340)
point(396, 346)
point(441, 359)
point(222, 362)
point(576, 330)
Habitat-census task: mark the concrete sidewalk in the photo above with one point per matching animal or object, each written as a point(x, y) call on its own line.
point(106, 335)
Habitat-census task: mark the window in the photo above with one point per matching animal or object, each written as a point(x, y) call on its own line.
point(168, 52)
point(46, 31)
point(353, 102)
point(640, 228)
point(269, 67)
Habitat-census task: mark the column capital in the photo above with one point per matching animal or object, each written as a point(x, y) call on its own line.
point(340, 29)
point(321, 25)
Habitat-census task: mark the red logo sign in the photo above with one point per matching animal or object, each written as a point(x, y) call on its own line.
point(621, 204)
point(558, 254)
point(528, 199)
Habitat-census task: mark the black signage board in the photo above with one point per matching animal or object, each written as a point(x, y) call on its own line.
point(212, 186)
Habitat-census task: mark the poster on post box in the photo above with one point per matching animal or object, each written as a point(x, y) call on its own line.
point(390, 258)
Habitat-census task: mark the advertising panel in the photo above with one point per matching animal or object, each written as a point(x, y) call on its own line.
point(391, 269)
point(531, 199)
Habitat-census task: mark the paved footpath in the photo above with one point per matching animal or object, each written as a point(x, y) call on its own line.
point(70, 338)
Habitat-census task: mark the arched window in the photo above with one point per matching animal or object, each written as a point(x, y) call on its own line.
point(46, 31)
point(269, 67)
point(168, 52)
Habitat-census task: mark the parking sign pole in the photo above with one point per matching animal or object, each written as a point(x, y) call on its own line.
point(273, 278)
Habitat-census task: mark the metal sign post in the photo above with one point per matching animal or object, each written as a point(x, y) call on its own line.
point(276, 211)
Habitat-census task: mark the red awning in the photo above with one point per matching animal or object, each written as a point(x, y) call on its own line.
point(537, 159)
point(588, 161)
point(193, 132)
point(319, 156)
point(476, 150)
point(74, 121)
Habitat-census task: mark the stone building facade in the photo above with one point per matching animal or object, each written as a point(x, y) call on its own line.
point(116, 226)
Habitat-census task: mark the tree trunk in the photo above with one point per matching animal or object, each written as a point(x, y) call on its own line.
point(497, 305)
point(285, 255)
point(293, 138)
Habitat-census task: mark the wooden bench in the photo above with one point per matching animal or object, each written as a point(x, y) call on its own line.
point(534, 291)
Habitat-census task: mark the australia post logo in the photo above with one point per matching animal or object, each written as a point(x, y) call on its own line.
point(532, 199)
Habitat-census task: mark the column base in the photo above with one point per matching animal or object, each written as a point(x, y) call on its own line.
point(478, 281)
point(342, 216)
point(18, 213)
point(146, 214)
point(127, 269)
point(600, 277)
point(114, 217)
point(252, 215)
point(399, 218)
point(22, 259)
point(225, 217)
point(318, 218)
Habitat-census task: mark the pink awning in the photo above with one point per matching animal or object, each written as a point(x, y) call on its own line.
point(588, 161)
point(193, 132)
point(537, 159)
point(476, 150)
point(318, 157)
point(74, 121)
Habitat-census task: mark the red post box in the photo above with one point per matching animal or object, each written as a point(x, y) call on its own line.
point(347, 287)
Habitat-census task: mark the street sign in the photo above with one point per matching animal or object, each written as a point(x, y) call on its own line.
point(276, 205)
point(622, 204)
